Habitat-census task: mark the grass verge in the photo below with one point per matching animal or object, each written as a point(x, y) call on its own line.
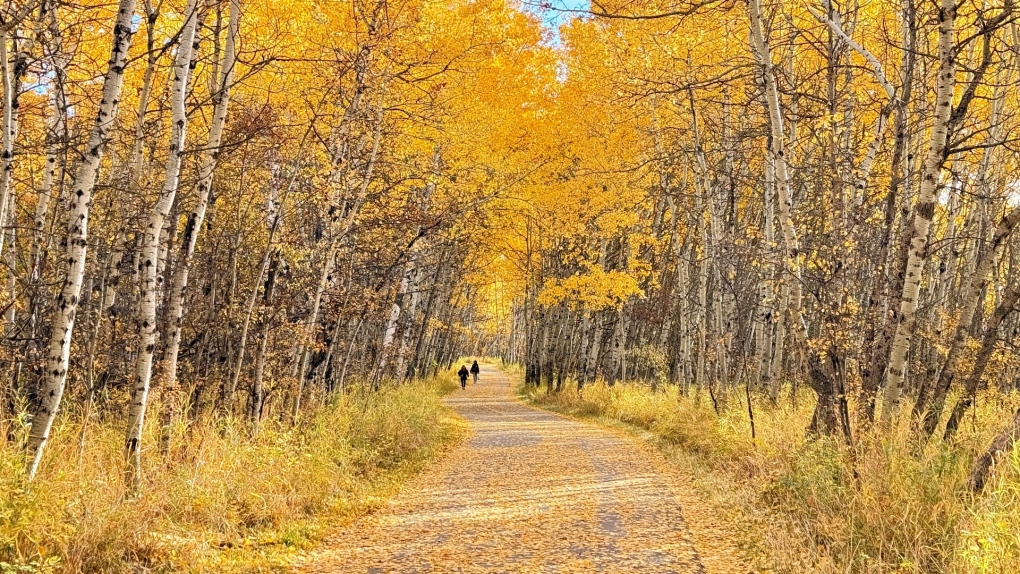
point(214, 498)
point(799, 503)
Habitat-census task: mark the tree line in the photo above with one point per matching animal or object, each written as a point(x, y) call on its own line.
point(804, 196)
point(243, 208)
point(232, 207)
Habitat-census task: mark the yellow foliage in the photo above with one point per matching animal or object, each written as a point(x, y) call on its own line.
point(597, 289)
point(217, 499)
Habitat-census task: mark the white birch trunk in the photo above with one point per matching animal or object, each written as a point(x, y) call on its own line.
point(136, 159)
point(391, 322)
point(414, 290)
point(618, 350)
point(9, 129)
point(701, 318)
point(684, 278)
point(878, 71)
point(340, 231)
point(203, 188)
point(768, 311)
point(148, 262)
point(923, 210)
point(586, 317)
point(932, 409)
point(416, 272)
point(703, 213)
point(56, 136)
point(792, 289)
point(55, 376)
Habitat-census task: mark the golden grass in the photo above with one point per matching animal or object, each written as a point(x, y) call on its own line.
point(800, 503)
point(214, 498)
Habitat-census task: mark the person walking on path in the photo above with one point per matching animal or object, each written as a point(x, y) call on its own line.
point(475, 369)
point(463, 372)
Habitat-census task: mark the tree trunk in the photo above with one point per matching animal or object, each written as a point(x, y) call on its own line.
point(9, 129)
point(888, 278)
point(923, 211)
point(149, 257)
point(820, 382)
point(930, 409)
point(1003, 443)
point(210, 158)
point(1006, 306)
point(62, 321)
point(257, 392)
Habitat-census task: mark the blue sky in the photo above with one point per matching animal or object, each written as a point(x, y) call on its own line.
point(554, 12)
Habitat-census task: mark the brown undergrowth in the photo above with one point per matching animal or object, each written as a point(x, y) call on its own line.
point(800, 503)
point(215, 498)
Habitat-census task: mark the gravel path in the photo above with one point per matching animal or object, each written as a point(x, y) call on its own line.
point(532, 491)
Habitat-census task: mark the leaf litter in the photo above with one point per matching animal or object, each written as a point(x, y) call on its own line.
point(532, 491)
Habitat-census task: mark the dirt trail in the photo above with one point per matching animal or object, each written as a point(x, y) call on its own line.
point(532, 491)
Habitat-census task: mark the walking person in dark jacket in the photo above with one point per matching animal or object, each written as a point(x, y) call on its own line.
point(475, 369)
point(463, 373)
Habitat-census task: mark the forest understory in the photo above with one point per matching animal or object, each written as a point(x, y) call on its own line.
point(801, 503)
point(215, 499)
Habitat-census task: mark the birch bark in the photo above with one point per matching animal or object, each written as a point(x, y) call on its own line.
point(1005, 307)
point(350, 213)
point(148, 263)
point(887, 280)
point(930, 402)
point(62, 321)
point(9, 128)
point(210, 158)
point(923, 211)
point(826, 416)
point(56, 137)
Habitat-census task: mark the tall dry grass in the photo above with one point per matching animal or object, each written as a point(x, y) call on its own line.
point(214, 498)
point(802, 503)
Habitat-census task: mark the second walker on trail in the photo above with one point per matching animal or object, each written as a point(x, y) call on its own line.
point(475, 369)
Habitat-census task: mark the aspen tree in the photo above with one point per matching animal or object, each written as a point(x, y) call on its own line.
point(945, 116)
point(62, 320)
point(53, 168)
point(826, 417)
point(777, 153)
point(209, 161)
point(1006, 306)
point(148, 261)
point(931, 399)
point(881, 324)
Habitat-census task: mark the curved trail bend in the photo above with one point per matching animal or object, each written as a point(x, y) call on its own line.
point(532, 491)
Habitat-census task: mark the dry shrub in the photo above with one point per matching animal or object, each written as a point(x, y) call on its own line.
point(803, 503)
point(214, 498)
point(991, 536)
